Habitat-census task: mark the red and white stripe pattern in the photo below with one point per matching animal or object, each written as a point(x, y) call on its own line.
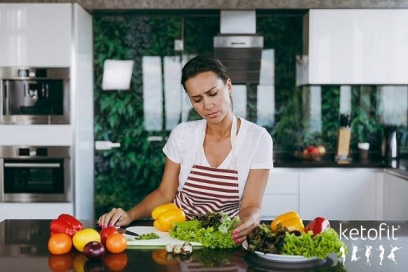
point(209, 189)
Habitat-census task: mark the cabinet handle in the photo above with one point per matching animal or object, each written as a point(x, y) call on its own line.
point(25, 88)
point(6, 98)
point(5, 90)
point(106, 145)
point(34, 165)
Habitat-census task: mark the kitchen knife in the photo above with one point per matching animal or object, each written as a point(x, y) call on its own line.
point(122, 230)
point(125, 231)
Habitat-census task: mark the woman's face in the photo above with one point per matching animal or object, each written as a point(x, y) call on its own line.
point(209, 96)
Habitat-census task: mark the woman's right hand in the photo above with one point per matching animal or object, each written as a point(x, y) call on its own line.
point(116, 217)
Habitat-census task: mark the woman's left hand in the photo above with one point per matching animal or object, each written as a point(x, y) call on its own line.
point(245, 227)
point(250, 210)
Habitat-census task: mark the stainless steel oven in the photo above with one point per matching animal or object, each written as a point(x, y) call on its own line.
point(35, 174)
point(34, 95)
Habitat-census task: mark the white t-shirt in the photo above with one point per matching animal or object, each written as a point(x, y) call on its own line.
point(253, 149)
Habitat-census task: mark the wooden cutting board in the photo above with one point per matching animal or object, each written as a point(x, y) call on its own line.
point(160, 242)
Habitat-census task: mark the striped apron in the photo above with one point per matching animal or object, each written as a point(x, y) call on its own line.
point(210, 189)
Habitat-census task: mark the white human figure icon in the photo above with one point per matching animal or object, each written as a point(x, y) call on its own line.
point(391, 256)
point(368, 254)
point(381, 250)
point(342, 258)
point(354, 253)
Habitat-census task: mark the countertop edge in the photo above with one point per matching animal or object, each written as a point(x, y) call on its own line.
point(397, 172)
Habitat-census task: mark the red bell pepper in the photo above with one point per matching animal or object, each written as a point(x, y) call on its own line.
point(72, 221)
point(59, 226)
point(318, 225)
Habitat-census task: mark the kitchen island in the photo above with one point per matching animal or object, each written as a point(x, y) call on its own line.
point(23, 247)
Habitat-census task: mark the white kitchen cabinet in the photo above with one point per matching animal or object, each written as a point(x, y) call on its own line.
point(281, 193)
point(395, 197)
point(48, 135)
point(36, 35)
point(83, 137)
point(75, 51)
point(34, 210)
point(341, 194)
point(354, 46)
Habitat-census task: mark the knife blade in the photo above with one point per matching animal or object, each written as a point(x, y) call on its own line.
point(125, 231)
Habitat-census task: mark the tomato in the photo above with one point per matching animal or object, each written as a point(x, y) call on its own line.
point(116, 243)
point(82, 237)
point(116, 261)
point(59, 243)
point(107, 232)
point(60, 262)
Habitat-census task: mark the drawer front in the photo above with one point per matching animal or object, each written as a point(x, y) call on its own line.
point(276, 204)
point(282, 183)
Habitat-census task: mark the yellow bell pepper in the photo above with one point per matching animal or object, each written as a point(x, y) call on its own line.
point(159, 210)
point(290, 220)
point(166, 215)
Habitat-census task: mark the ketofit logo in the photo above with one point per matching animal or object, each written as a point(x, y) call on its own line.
point(384, 233)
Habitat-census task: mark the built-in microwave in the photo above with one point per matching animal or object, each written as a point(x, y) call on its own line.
point(35, 174)
point(34, 95)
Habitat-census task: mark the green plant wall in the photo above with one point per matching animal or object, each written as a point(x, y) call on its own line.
point(124, 176)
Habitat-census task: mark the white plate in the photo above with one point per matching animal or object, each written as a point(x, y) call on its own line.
point(281, 258)
point(164, 237)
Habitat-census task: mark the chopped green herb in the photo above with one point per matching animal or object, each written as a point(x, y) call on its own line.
point(147, 236)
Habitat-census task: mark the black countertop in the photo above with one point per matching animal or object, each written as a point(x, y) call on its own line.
point(23, 247)
point(375, 160)
point(286, 159)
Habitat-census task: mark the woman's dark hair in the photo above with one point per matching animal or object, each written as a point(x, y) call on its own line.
point(203, 63)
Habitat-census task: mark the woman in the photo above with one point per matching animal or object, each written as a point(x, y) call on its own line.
point(220, 163)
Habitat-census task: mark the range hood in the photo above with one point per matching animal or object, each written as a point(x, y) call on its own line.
point(239, 47)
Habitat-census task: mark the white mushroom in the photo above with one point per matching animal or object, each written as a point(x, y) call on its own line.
point(186, 248)
point(177, 249)
point(169, 248)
